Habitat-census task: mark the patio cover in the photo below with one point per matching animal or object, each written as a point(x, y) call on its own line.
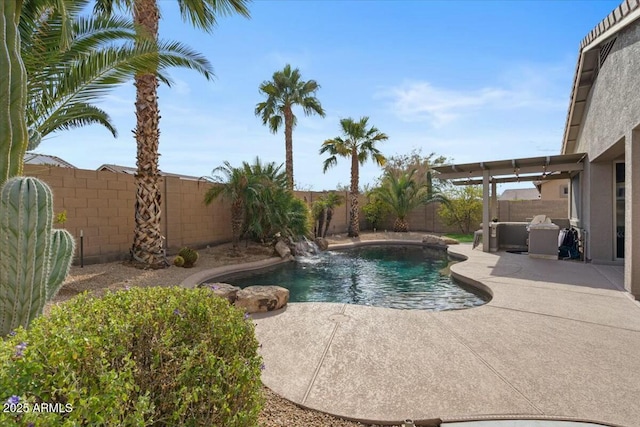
point(541, 168)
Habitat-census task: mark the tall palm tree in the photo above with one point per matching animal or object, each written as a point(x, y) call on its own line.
point(147, 241)
point(359, 143)
point(285, 90)
point(72, 61)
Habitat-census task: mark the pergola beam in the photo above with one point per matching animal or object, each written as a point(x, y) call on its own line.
point(527, 178)
point(563, 167)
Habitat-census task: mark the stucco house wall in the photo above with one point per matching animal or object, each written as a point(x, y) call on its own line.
point(608, 134)
point(554, 190)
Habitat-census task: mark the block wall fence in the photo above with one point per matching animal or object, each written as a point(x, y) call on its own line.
point(100, 205)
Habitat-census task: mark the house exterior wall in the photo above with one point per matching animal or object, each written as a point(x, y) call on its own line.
point(607, 135)
point(553, 190)
point(614, 106)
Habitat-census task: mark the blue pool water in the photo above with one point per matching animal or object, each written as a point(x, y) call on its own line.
point(404, 277)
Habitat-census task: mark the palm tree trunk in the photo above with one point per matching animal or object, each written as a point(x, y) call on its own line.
point(401, 225)
point(321, 220)
point(328, 222)
point(147, 240)
point(236, 223)
point(288, 145)
point(354, 214)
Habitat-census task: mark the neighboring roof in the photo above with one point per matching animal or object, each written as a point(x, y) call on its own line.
point(132, 171)
point(594, 49)
point(514, 170)
point(46, 159)
point(520, 194)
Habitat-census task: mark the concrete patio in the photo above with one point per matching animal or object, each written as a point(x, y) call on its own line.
point(559, 339)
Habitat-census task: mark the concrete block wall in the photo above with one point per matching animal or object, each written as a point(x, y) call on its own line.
point(98, 204)
point(523, 210)
point(101, 206)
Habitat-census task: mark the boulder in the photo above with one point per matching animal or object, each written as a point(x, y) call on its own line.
point(322, 243)
point(260, 299)
point(432, 240)
point(449, 241)
point(223, 290)
point(283, 250)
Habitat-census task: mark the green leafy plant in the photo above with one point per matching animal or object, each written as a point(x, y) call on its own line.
point(374, 210)
point(189, 256)
point(178, 261)
point(147, 356)
point(261, 204)
point(463, 208)
point(61, 217)
point(34, 258)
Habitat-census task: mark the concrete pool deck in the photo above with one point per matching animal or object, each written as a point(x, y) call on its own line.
point(559, 339)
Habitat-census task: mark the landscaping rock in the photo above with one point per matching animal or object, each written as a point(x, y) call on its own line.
point(283, 250)
point(260, 299)
point(223, 290)
point(450, 241)
point(322, 243)
point(432, 240)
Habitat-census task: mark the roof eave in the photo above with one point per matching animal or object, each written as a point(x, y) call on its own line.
point(625, 14)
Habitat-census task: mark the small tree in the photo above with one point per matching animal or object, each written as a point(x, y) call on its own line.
point(374, 210)
point(463, 209)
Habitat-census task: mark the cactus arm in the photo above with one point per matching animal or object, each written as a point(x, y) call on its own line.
point(13, 93)
point(26, 218)
point(62, 250)
point(34, 259)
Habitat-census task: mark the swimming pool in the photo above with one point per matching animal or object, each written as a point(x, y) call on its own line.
point(402, 277)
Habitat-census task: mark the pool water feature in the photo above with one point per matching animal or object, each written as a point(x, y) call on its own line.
point(402, 277)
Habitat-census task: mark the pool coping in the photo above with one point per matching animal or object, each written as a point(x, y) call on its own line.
point(476, 262)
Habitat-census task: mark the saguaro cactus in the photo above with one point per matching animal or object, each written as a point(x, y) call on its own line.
point(34, 258)
point(13, 93)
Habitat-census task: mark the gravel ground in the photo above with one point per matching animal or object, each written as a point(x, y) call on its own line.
point(100, 278)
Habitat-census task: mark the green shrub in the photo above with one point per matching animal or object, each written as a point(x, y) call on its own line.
point(190, 256)
point(178, 261)
point(145, 356)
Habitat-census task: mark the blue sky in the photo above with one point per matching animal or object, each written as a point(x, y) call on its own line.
point(469, 80)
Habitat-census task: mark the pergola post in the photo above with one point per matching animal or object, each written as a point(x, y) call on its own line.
point(494, 199)
point(485, 210)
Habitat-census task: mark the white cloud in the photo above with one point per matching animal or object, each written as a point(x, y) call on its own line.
point(525, 87)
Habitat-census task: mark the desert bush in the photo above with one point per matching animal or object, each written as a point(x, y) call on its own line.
point(145, 356)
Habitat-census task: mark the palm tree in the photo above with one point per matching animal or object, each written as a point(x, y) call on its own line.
point(322, 211)
point(401, 193)
point(236, 185)
point(261, 205)
point(285, 90)
point(359, 143)
point(72, 61)
point(147, 241)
